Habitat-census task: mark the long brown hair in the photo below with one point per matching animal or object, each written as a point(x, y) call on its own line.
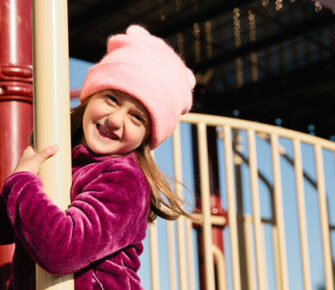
point(164, 202)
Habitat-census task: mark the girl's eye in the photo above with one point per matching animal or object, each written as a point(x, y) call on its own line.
point(112, 98)
point(138, 118)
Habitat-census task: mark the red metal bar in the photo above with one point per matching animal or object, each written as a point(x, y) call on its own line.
point(16, 112)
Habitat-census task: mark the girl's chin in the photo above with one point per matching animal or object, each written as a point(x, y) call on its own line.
point(106, 150)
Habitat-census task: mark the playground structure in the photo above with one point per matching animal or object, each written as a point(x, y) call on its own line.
point(245, 147)
point(247, 245)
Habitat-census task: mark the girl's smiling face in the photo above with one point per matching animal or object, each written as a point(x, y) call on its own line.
point(115, 123)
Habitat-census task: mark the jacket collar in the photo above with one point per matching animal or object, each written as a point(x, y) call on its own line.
point(82, 155)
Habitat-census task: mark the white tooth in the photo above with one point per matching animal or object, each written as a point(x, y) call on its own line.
point(106, 133)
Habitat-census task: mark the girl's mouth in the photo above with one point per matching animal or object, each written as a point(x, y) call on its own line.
point(106, 133)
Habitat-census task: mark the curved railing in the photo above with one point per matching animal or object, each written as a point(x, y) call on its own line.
point(245, 150)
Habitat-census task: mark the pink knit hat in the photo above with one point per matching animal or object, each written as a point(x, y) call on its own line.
point(147, 68)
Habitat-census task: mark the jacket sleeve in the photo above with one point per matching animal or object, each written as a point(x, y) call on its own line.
point(108, 214)
point(6, 230)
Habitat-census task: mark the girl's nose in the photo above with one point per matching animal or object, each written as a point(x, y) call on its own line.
point(116, 118)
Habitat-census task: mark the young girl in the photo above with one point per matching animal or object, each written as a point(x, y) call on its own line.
point(130, 103)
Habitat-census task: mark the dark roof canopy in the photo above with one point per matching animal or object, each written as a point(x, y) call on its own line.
point(261, 60)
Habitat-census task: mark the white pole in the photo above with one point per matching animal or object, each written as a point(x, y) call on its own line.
point(51, 110)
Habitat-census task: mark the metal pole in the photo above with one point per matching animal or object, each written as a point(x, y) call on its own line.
point(51, 110)
point(16, 110)
point(205, 204)
point(216, 209)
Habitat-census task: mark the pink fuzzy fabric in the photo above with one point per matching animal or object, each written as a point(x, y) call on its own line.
point(147, 68)
point(99, 237)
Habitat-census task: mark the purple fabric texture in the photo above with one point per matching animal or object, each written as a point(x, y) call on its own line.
point(99, 237)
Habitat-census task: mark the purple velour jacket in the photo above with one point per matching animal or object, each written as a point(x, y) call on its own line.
point(98, 238)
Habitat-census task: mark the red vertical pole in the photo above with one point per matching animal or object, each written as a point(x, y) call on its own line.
point(16, 111)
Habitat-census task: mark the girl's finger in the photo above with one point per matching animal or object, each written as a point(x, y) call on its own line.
point(47, 152)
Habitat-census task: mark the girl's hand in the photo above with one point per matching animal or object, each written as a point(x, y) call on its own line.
point(31, 161)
